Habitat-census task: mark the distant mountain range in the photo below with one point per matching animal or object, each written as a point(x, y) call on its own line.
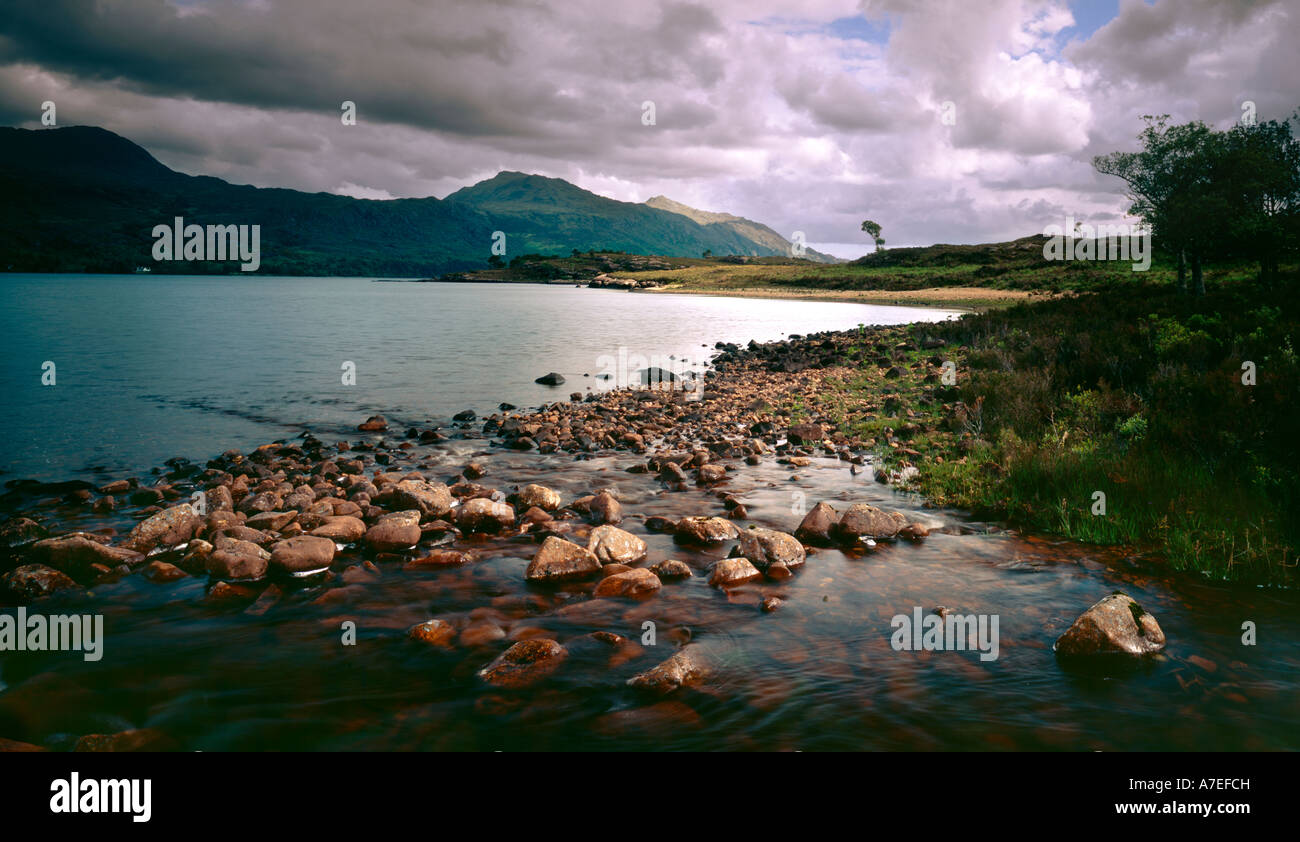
point(83, 199)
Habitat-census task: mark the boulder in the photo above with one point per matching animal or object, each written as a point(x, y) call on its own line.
point(767, 548)
point(484, 515)
point(683, 669)
point(302, 555)
point(168, 528)
point(818, 525)
point(33, 581)
point(546, 499)
point(612, 545)
point(632, 583)
point(551, 379)
point(672, 569)
point(733, 572)
point(560, 560)
point(344, 529)
point(433, 632)
point(704, 530)
point(394, 532)
point(525, 663)
point(1115, 625)
point(861, 521)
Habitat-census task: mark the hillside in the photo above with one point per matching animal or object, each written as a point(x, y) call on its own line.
point(83, 199)
point(747, 228)
point(550, 215)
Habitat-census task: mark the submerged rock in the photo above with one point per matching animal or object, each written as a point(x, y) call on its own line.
point(525, 663)
point(33, 581)
point(630, 583)
point(683, 669)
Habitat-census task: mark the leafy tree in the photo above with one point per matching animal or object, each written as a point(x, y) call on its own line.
point(495, 261)
point(1163, 180)
point(872, 230)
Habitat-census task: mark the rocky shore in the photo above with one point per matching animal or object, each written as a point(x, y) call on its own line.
point(317, 521)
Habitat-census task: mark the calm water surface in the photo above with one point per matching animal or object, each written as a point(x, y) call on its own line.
point(149, 367)
point(817, 674)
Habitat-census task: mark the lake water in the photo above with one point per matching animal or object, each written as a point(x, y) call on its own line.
point(154, 367)
point(149, 367)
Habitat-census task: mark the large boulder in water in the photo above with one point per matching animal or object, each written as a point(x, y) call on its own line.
point(561, 560)
point(861, 521)
point(1115, 625)
point(767, 548)
point(818, 525)
point(612, 545)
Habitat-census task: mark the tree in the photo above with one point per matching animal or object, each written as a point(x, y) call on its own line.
point(495, 261)
point(1244, 181)
point(1163, 179)
point(1259, 166)
point(872, 230)
point(708, 253)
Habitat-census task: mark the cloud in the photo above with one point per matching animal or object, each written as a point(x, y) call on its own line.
point(790, 114)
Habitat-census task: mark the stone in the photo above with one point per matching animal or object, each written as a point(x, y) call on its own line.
point(861, 521)
point(78, 553)
point(767, 547)
point(605, 508)
point(705, 530)
point(433, 632)
point(818, 525)
point(273, 521)
point(632, 583)
point(805, 434)
point(161, 571)
point(344, 529)
point(672, 569)
point(230, 565)
point(394, 532)
point(551, 379)
point(683, 669)
point(1114, 625)
point(546, 499)
point(373, 424)
point(432, 500)
point(525, 663)
point(168, 528)
point(302, 555)
point(483, 515)
point(561, 560)
point(612, 545)
point(733, 572)
point(33, 581)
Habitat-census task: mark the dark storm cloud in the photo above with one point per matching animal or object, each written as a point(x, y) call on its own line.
point(761, 109)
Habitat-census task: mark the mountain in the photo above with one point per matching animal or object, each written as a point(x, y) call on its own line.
point(551, 215)
point(755, 232)
point(83, 199)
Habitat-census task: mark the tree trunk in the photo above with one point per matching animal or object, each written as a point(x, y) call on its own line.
point(1182, 271)
point(1198, 281)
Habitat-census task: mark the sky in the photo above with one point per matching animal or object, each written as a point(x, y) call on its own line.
point(954, 121)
